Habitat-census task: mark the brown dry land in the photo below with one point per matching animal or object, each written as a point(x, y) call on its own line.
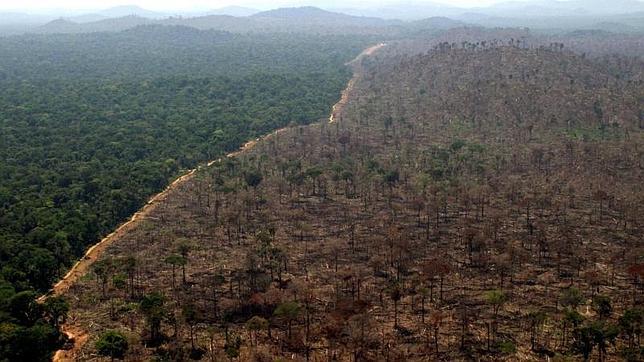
point(464, 206)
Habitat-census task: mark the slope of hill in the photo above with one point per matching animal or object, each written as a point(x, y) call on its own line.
point(301, 12)
point(228, 23)
point(435, 23)
point(59, 26)
point(87, 18)
point(62, 26)
point(309, 13)
point(474, 202)
point(92, 124)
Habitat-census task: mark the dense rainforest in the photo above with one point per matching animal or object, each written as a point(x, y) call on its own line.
point(92, 124)
point(470, 201)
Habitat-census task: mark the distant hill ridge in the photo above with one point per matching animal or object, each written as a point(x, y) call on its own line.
point(622, 16)
point(301, 19)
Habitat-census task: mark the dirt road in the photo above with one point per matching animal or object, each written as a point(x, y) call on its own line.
point(344, 98)
point(84, 264)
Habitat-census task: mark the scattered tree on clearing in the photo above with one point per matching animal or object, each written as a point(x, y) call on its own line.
point(112, 344)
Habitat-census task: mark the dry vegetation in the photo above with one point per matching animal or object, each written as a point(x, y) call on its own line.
point(475, 202)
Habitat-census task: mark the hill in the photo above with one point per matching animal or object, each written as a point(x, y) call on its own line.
point(61, 26)
point(318, 15)
point(436, 23)
point(479, 201)
point(308, 12)
point(305, 20)
point(288, 20)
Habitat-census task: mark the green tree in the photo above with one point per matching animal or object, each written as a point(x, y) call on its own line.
point(233, 343)
point(152, 306)
point(571, 320)
point(129, 264)
point(112, 344)
point(496, 299)
point(391, 178)
point(602, 306)
point(536, 320)
point(24, 308)
point(396, 294)
point(289, 312)
point(175, 260)
point(34, 343)
point(630, 325)
point(192, 316)
point(56, 309)
point(103, 269)
point(596, 334)
point(571, 297)
point(184, 249)
point(254, 325)
point(253, 178)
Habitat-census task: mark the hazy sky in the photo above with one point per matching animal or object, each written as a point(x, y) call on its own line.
point(210, 4)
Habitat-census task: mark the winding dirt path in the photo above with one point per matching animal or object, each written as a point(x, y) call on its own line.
point(76, 334)
point(344, 98)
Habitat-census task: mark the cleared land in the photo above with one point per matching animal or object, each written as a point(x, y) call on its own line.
point(468, 203)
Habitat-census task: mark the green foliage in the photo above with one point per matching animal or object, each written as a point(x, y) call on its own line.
point(175, 260)
point(313, 172)
point(602, 306)
point(253, 178)
point(632, 354)
point(56, 309)
point(190, 313)
point(593, 134)
point(184, 248)
point(153, 307)
point(596, 334)
point(256, 323)
point(632, 320)
point(457, 145)
point(571, 297)
point(507, 347)
point(112, 344)
point(391, 178)
point(24, 309)
point(28, 343)
point(496, 298)
point(630, 325)
point(573, 317)
point(395, 291)
point(288, 310)
point(29, 330)
point(119, 281)
point(232, 346)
